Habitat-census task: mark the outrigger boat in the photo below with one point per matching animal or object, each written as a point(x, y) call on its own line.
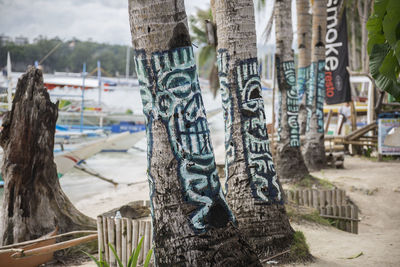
point(67, 160)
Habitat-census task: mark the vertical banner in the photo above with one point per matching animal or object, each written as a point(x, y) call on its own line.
point(337, 80)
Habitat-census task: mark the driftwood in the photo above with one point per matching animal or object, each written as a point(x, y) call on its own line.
point(34, 203)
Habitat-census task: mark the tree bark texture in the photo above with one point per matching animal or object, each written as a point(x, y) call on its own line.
point(304, 33)
point(192, 223)
point(33, 202)
point(253, 189)
point(314, 147)
point(363, 8)
point(288, 160)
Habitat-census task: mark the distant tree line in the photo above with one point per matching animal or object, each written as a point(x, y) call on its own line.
point(68, 57)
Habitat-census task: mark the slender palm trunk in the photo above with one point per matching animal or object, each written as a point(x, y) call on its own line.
point(314, 148)
point(192, 223)
point(253, 190)
point(354, 56)
point(288, 160)
point(304, 32)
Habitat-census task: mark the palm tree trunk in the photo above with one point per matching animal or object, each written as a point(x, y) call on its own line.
point(354, 56)
point(314, 148)
point(304, 32)
point(253, 189)
point(192, 223)
point(288, 160)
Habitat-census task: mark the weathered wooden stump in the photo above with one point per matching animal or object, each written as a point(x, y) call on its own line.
point(34, 203)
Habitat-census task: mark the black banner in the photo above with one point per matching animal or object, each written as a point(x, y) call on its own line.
point(337, 80)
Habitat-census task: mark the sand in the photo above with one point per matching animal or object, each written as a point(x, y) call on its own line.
point(373, 186)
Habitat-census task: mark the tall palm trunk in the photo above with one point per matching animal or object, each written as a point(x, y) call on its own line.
point(253, 190)
point(289, 161)
point(192, 223)
point(314, 148)
point(304, 32)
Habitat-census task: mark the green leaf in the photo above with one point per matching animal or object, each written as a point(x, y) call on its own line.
point(380, 7)
point(98, 263)
point(148, 258)
point(389, 66)
point(355, 256)
point(136, 255)
point(391, 22)
point(397, 51)
point(376, 57)
point(115, 255)
point(385, 69)
point(375, 33)
point(204, 54)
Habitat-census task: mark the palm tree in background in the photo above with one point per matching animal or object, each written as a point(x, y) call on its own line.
point(314, 147)
point(192, 223)
point(304, 32)
point(207, 58)
point(288, 159)
point(253, 190)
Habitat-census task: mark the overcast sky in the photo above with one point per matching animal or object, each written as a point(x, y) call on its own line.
point(99, 20)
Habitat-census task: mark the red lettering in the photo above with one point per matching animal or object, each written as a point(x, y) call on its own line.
point(330, 88)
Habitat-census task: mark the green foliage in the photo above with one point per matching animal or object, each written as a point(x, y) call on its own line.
point(309, 181)
point(316, 218)
point(207, 54)
point(384, 45)
point(298, 214)
point(132, 262)
point(299, 250)
point(68, 57)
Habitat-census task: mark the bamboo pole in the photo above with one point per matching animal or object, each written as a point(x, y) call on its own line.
point(105, 239)
point(135, 234)
point(111, 237)
point(118, 237)
point(142, 226)
point(147, 241)
point(100, 237)
point(124, 244)
point(129, 238)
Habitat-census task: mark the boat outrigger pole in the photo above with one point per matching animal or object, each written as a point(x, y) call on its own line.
point(9, 90)
point(83, 94)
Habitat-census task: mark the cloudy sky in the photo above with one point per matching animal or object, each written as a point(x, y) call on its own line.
point(100, 20)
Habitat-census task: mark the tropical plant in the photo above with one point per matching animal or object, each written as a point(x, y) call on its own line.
point(207, 56)
point(133, 259)
point(384, 45)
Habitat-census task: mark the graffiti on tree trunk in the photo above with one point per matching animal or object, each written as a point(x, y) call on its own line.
point(259, 165)
point(291, 98)
point(258, 157)
point(223, 67)
point(315, 95)
point(171, 94)
point(303, 80)
point(320, 95)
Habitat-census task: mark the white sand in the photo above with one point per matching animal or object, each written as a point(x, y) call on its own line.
point(379, 229)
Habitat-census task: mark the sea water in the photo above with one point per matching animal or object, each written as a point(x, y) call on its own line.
point(131, 167)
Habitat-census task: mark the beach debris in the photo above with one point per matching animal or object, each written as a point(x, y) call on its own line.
point(36, 203)
point(355, 256)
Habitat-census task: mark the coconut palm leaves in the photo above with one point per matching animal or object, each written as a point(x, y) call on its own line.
point(207, 57)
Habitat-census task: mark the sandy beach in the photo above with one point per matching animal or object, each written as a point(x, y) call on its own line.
point(373, 186)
